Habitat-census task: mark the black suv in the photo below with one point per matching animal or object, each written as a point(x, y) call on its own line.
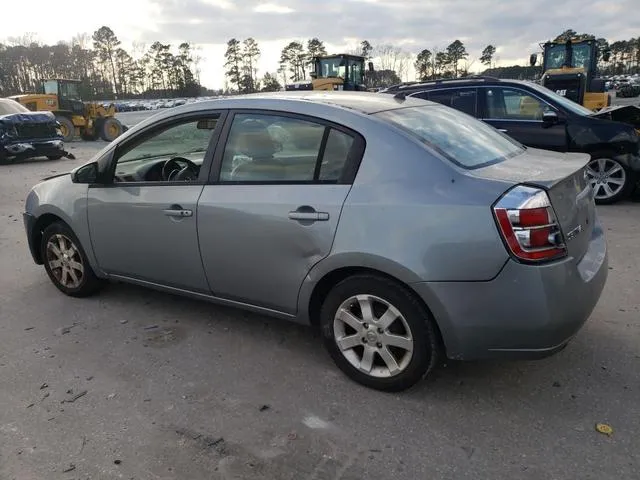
point(540, 118)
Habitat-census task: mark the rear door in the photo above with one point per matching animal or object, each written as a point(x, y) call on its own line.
point(518, 113)
point(273, 204)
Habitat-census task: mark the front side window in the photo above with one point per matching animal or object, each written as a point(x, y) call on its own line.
point(466, 141)
point(264, 148)
point(512, 104)
point(164, 154)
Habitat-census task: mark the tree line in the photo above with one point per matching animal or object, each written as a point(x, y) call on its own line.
point(392, 62)
point(106, 70)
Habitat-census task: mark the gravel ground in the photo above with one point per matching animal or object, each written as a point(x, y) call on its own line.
point(136, 384)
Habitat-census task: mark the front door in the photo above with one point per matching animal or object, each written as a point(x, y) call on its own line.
point(519, 114)
point(143, 224)
point(275, 208)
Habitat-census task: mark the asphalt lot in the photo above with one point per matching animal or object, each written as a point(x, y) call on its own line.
point(179, 389)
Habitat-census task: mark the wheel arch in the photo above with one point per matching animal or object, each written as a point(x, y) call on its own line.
point(319, 283)
point(42, 222)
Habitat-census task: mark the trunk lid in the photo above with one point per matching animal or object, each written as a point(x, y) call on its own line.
point(563, 176)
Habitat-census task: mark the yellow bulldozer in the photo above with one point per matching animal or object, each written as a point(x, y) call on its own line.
point(570, 67)
point(334, 72)
point(87, 120)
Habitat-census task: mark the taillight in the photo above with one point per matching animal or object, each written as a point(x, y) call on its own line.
point(528, 225)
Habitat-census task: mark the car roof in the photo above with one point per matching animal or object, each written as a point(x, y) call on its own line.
point(454, 82)
point(362, 102)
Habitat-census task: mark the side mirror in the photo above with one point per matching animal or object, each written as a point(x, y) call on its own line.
point(533, 59)
point(549, 118)
point(85, 174)
point(371, 66)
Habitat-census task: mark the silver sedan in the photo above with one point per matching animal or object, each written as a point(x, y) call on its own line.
point(406, 231)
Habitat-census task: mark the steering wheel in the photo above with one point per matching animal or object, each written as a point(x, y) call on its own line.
point(173, 170)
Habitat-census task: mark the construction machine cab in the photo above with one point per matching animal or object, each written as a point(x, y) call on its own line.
point(347, 69)
point(569, 68)
point(67, 92)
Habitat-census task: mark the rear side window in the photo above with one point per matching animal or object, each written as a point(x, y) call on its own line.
point(468, 142)
point(464, 100)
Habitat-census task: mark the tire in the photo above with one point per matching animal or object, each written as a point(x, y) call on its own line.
point(54, 157)
point(610, 180)
point(57, 239)
point(110, 129)
point(414, 324)
point(68, 130)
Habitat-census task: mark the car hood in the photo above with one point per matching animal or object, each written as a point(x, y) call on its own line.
point(629, 114)
point(31, 118)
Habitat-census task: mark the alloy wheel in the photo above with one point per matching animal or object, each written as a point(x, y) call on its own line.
point(65, 261)
point(373, 336)
point(607, 178)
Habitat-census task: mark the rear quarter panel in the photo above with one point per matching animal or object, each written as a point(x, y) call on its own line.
point(416, 216)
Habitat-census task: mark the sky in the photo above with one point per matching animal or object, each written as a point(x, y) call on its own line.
point(515, 27)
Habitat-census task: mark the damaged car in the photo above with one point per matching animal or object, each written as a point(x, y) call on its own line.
point(26, 134)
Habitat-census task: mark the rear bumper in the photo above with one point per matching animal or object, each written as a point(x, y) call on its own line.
point(32, 148)
point(526, 312)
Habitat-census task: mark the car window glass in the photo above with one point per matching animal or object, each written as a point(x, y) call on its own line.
point(335, 155)
point(462, 139)
point(271, 148)
point(187, 140)
point(505, 103)
point(463, 100)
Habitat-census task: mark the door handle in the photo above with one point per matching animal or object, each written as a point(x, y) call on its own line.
point(308, 215)
point(177, 211)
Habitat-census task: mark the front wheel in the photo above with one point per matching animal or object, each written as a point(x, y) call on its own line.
point(378, 333)
point(610, 180)
point(66, 263)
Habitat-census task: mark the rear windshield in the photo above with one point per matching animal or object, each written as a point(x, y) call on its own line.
point(466, 141)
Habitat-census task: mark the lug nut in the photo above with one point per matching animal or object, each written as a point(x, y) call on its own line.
point(364, 340)
point(379, 345)
point(380, 330)
point(366, 325)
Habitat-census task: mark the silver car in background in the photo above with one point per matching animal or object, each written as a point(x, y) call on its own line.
point(404, 230)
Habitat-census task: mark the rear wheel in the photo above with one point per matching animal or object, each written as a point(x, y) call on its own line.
point(66, 128)
point(610, 180)
point(110, 129)
point(66, 263)
point(378, 333)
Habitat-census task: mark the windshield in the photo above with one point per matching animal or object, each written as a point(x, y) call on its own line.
point(466, 141)
point(8, 107)
point(563, 101)
point(556, 56)
point(330, 67)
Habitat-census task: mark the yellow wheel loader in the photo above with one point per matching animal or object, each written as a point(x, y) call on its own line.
point(87, 120)
point(335, 72)
point(570, 68)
